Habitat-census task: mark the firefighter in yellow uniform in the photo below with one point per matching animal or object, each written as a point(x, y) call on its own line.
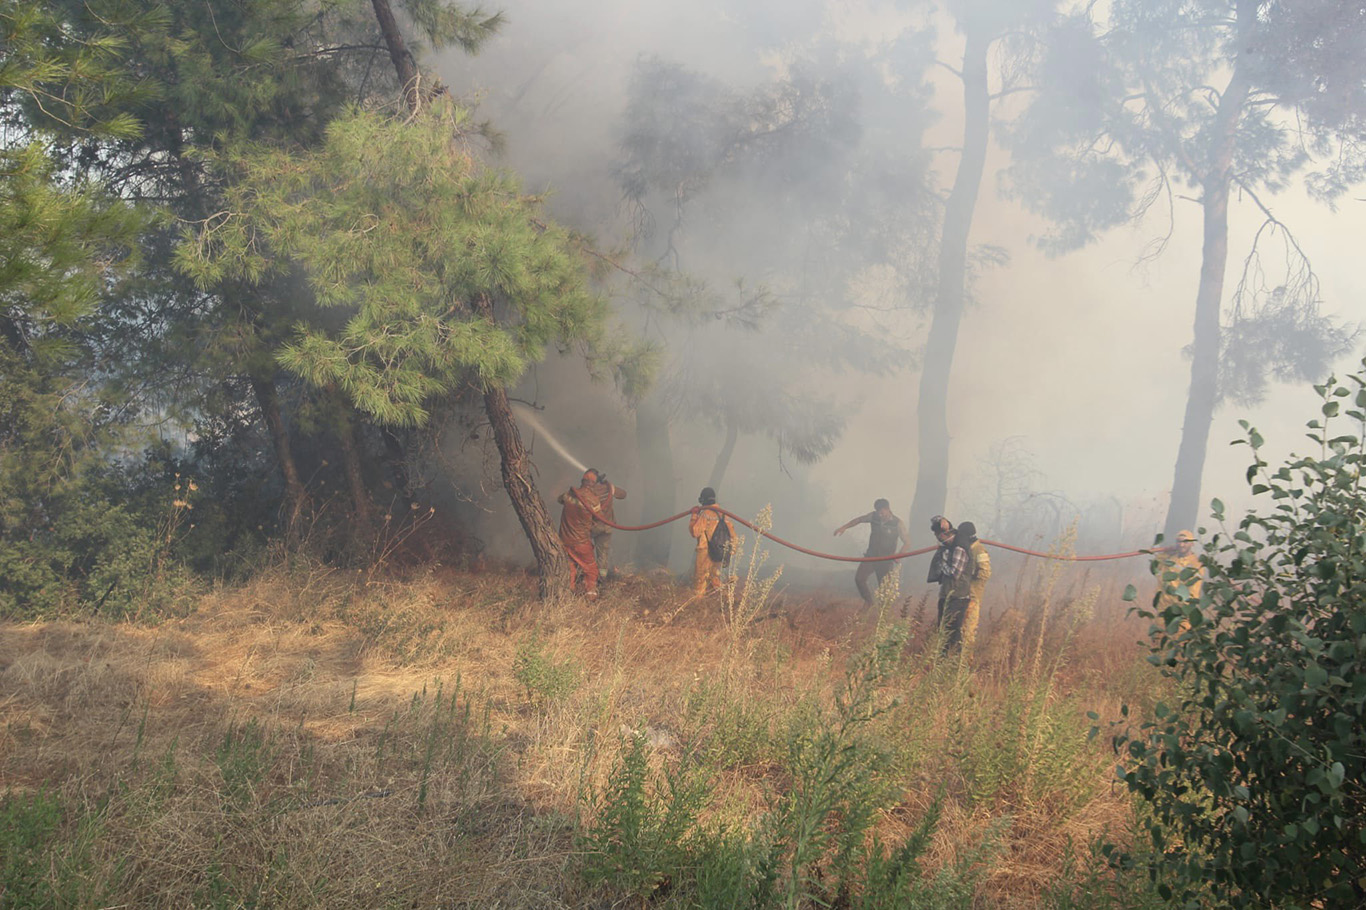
point(964, 607)
point(1171, 564)
point(703, 526)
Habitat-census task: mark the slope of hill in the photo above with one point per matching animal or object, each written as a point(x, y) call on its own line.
point(322, 738)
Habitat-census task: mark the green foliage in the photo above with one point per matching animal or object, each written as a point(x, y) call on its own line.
point(441, 268)
point(1255, 775)
point(841, 779)
point(445, 24)
point(45, 854)
point(732, 732)
point(69, 79)
point(642, 832)
point(66, 538)
point(813, 847)
point(1092, 882)
point(1027, 749)
point(242, 758)
point(546, 680)
point(28, 824)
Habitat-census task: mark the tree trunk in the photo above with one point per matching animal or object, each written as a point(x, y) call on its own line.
point(362, 509)
point(396, 460)
point(521, 485)
point(1203, 398)
point(526, 501)
point(718, 469)
point(404, 65)
point(932, 472)
point(659, 493)
point(296, 497)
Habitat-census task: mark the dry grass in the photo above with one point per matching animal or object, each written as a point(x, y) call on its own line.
point(299, 735)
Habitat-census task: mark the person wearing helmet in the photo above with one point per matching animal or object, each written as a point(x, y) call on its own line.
point(576, 531)
point(947, 563)
point(607, 492)
point(964, 605)
point(887, 532)
point(1171, 563)
point(715, 540)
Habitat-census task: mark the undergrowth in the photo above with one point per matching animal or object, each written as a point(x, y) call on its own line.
point(404, 742)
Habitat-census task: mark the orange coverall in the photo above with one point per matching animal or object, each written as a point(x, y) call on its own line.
point(576, 534)
point(602, 534)
point(706, 572)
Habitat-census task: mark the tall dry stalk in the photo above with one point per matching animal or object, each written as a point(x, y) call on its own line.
point(741, 603)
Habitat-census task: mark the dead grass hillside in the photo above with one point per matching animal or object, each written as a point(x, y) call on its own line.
point(435, 738)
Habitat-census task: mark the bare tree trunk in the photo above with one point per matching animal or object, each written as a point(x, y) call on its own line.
point(526, 500)
point(396, 460)
point(1203, 397)
point(932, 472)
point(362, 509)
point(659, 494)
point(521, 485)
point(404, 65)
point(296, 497)
point(718, 469)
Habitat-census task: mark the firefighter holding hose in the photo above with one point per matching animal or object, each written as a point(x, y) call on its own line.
point(607, 493)
point(581, 507)
point(715, 541)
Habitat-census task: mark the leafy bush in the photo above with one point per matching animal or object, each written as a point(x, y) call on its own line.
point(546, 679)
point(641, 837)
point(1256, 777)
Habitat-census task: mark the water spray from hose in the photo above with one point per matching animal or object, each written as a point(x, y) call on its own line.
point(529, 416)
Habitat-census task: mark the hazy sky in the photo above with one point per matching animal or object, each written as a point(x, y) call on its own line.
point(1080, 355)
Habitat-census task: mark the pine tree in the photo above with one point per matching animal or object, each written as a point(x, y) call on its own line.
point(442, 273)
point(64, 241)
point(1229, 98)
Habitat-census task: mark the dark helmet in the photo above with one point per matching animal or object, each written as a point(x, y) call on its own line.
point(707, 497)
point(940, 525)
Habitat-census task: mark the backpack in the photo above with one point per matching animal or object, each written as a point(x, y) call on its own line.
point(718, 544)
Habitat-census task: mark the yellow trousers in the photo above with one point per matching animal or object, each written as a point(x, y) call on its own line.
point(706, 573)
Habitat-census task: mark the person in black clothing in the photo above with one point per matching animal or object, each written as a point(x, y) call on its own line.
point(887, 532)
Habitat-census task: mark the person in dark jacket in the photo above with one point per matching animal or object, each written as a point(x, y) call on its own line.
point(964, 606)
point(887, 532)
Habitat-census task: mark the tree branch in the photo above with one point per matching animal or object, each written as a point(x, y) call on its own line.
point(957, 72)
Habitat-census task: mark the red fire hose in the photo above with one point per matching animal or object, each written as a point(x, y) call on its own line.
point(820, 555)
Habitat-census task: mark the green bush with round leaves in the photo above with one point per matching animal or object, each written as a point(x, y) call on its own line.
point(1254, 776)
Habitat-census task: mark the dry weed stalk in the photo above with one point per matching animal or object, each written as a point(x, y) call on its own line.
point(742, 602)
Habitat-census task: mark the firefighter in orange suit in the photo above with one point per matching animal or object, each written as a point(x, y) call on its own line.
point(703, 526)
point(607, 492)
point(581, 504)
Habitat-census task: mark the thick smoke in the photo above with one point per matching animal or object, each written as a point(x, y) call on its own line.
point(777, 172)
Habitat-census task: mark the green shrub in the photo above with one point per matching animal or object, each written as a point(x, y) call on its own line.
point(642, 834)
point(1256, 776)
point(545, 679)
